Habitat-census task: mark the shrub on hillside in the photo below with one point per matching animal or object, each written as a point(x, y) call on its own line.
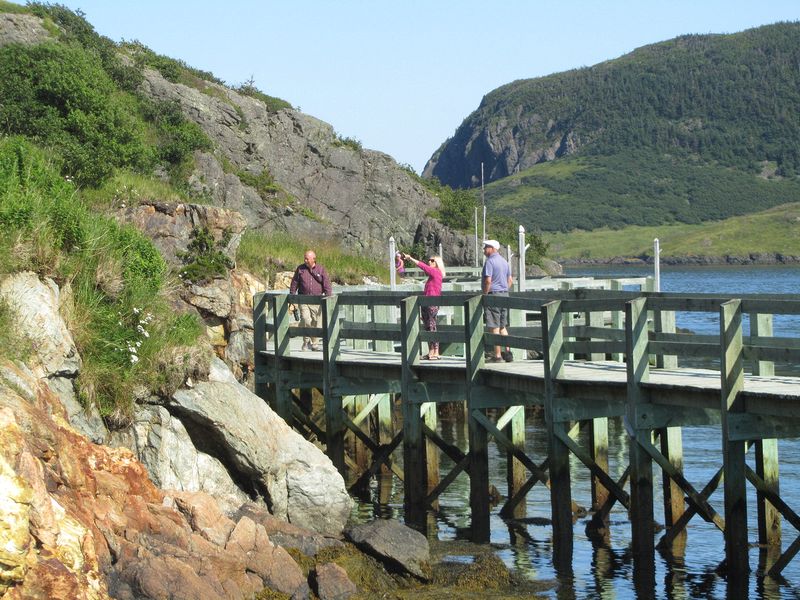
point(61, 96)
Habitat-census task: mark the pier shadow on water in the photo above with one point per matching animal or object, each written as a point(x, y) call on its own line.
point(602, 565)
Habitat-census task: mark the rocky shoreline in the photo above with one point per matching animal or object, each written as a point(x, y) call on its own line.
point(754, 258)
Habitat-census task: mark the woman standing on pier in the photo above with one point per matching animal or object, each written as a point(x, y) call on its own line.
point(434, 268)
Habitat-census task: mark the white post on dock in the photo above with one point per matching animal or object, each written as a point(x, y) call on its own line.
point(483, 202)
point(440, 251)
point(476, 236)
point(392, 269)
point(657, 265)
point(521, 259)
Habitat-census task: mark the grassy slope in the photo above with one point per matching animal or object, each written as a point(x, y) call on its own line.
point(776, 230)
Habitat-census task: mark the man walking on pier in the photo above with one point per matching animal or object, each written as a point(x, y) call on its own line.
point(496, 281)
point(310, 279)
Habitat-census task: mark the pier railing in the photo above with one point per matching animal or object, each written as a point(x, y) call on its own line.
point(584, 356)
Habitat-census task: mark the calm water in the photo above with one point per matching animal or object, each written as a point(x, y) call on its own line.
point(607, 572)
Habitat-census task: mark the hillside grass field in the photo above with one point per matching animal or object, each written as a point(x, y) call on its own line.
point(772, 231)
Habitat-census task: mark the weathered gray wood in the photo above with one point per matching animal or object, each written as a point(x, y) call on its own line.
point(478, 438)
point(334, 423)
point(672, 449)
point(515, 470)
point(558, 453)
point(598, 439)
point(731, 384)
point(260, 369)
point(617, 320)
point(769, 518)
point(430, 420)
point(665, 323)
point(761, 326)
point(283, 392)
point(638, 372)
point(414, 447)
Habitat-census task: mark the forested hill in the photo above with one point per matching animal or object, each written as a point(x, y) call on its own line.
point(657, 128)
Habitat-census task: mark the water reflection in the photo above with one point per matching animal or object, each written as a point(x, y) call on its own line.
point(602, 565)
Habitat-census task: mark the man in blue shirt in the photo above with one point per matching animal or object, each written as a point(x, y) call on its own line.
point(496, 279)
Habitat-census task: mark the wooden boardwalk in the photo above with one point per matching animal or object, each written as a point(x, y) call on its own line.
point(601, 354)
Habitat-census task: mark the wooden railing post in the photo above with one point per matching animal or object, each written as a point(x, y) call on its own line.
point(380, 314)
point(283, 393)
point(334, 423)
point(478, 436)
point(638, 371)
point(733, 451)
point(260, 374)
point(558, 452)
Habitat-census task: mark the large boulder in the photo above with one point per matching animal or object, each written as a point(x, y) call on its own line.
point(300, 483)
point(166, 450)
point(399, 546)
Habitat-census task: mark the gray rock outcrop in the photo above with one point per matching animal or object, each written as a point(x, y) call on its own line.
point(22, 29)
point(332, 189)
point(36, 304)
point(300, 483)
point(458, 249)
point(395, 544)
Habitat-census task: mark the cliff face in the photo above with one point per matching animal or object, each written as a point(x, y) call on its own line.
point(505, 144)
point(359, 197)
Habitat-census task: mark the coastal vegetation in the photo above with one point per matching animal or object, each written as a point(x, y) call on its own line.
point(117, 307)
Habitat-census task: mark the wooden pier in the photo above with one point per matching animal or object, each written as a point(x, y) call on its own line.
point(601, 354)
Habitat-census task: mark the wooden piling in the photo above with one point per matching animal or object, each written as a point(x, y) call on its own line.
point(638, 372)
point(732, 383)
point(478, 437)
point(334, 423)
point(558, 451)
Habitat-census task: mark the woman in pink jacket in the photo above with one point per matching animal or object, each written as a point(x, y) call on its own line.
point(434, 268)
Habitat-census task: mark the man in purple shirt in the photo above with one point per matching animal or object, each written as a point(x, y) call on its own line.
point(310, 279)
point(496, 280)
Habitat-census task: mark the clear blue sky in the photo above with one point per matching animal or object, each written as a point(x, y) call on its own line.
point(401, 75)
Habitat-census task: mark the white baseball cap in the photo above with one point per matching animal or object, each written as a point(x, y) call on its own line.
point(493, 243)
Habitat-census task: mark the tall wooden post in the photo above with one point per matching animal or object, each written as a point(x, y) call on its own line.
point(671, 437)
point(260, 374)
point(732, 383)
point(516, 474)
point(283, 393)
point(558, 452)
point(478, 437)
point(641, 511)
point(414, 468)
point(334, 424)
point(769, 518)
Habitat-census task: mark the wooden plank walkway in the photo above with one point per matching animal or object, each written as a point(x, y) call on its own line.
point(619, 360)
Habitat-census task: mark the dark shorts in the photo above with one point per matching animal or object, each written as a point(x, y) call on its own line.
point(494, 317)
